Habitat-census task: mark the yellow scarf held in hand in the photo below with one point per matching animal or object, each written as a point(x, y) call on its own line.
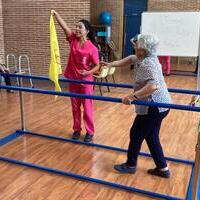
point(55, 64)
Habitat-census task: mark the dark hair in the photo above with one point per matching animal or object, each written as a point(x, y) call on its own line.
point(90, 34)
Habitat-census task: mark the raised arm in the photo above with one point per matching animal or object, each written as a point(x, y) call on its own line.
point(62, 23)
point(121, 63)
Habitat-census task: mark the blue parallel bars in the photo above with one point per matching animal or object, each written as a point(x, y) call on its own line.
point(108, 99)
point(101, 98)
point(121, 85)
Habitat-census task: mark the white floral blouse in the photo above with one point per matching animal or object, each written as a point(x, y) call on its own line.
point(149, 71)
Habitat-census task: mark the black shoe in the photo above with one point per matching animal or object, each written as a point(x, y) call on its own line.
point(157, 172)
point(88, 137)
point(76, 135)
point(123, 168)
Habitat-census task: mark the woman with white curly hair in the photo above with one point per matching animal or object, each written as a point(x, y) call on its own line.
point(149, 85)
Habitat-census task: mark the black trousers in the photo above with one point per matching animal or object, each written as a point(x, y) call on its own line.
point(147, 127)
point(6, 77)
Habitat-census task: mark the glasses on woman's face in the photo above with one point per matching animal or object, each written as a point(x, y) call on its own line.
point(135, 46)
point(134, 43)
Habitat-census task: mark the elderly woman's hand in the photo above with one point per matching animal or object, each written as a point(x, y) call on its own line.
point(128, 99)
point(105, 64)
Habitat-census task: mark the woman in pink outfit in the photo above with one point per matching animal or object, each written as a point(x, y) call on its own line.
point(83, 62)
point(165, 62)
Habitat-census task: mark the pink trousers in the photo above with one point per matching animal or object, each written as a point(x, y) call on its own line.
point(88, 116)
point(165, 61)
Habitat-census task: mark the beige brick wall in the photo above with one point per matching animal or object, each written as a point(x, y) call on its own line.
point(174, 5)
point(26, 24)
point(1, 35)
point(115, 7)
point(26, 28)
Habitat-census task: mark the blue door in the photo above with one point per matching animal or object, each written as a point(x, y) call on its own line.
point(132, 22)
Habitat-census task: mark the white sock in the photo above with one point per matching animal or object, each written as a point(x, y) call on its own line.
point(164, 169)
